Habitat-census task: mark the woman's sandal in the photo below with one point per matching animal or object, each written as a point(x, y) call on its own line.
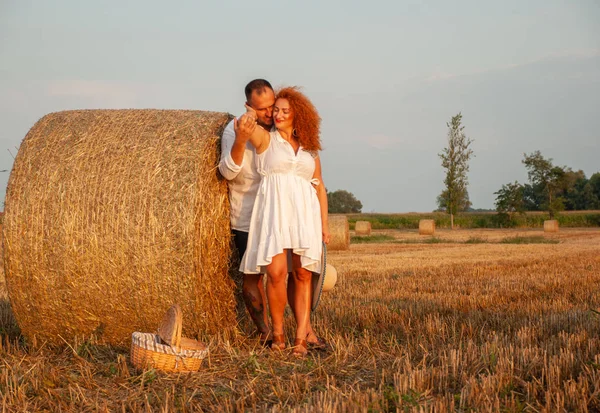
point(300, 348)
point(278, 342)
point(319, 345)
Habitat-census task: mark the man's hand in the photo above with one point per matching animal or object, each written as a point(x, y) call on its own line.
point(250, 111)
point(244, 127)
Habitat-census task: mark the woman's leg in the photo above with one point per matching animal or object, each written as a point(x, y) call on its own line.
point(311, 336)
point(276, 293)
point(302, 299)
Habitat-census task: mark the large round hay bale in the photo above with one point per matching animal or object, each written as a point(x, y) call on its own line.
point(551, 225)
point(340, 232)
point(112, 216)
point(362, 228)
point(426, 227)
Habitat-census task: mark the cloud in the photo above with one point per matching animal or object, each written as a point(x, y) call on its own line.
point(440, 76)
point(563, 54)
point(107, 94)
point(380, 141)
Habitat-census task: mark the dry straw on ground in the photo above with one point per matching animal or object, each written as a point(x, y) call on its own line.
point(111, 216)
point(340, 232)
point(426, 227)
point(441, 327)
point(362, 228)
point(551, 225)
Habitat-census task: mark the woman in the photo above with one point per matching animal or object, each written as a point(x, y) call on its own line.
point(290, 211)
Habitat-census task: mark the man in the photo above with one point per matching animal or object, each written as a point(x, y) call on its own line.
point(238, 166)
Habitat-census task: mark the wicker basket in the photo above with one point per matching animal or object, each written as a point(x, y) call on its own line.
point(167, 350)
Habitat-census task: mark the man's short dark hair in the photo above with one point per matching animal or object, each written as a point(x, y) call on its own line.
point(258, 85)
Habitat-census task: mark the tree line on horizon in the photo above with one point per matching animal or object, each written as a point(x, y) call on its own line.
point(551, 188)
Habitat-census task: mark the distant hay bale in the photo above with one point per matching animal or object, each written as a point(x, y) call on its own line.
point(362, 228)
point(426, 227)
point(112, 216)
point(551, 225)
point(340, 232)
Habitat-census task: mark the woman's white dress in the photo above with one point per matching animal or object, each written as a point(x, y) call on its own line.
point(286, 213)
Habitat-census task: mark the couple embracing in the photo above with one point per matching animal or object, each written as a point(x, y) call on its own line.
point(270, 157)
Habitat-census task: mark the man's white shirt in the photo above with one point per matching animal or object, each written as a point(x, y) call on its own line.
point(243, 180)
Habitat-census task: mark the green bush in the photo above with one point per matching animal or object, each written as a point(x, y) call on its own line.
point(475, 220)
point(370, 239)
point(528, 240)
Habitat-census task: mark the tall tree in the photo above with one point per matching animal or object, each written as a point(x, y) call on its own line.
point(576, 191)
point(549, 178)
point(533, 197)
point(510, 200)
point(594, 182)
point(455, 160)
point(342, 201)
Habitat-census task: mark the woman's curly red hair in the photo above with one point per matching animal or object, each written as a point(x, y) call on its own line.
point(307, 122)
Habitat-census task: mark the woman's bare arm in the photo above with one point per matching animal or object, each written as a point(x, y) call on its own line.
point(246, 128)
point(322, 196)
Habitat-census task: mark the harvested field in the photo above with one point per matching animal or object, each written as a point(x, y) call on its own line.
point(488, 235)
point(445, 326)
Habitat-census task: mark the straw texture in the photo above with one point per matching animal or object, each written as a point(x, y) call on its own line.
point(110, 217)
point(426, 227)
point(339, 230)
point(551, 225)
point(362, 228)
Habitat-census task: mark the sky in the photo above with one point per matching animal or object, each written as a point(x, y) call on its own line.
point(386, 77)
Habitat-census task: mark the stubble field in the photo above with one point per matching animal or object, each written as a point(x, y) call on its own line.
point(467, 320)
